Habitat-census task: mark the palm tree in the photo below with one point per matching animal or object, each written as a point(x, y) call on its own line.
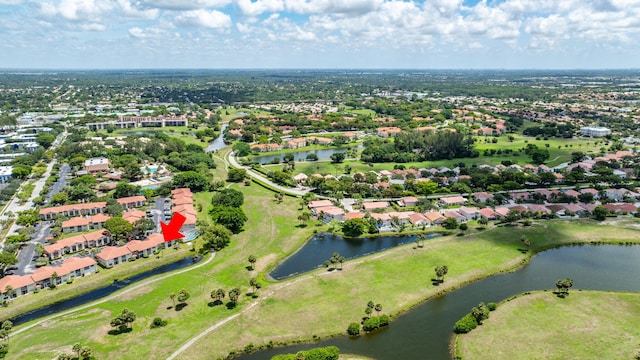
point(54, 277)
point(378, 308)
point(218, 295)
point(172, 296)
point(441, 271)
point(422, 239)
point(77, 347)
point(252, 260)
point(341, 259)
point(234, 294)
point(255, 285)
point(86, 352)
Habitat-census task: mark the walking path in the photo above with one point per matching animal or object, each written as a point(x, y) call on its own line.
point(291, 191)
point(109, 298)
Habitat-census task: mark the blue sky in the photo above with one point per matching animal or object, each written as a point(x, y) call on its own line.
point(429, 34)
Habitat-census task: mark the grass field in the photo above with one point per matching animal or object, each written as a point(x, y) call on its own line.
point(174, 131)
point(329, 300)
point(584, 325)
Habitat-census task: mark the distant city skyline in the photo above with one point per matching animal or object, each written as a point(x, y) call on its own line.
point(332, 34)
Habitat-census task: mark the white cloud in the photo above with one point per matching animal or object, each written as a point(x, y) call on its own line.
point(11, 2)
point(254, 8)
point(83, 9)
point(184, 4)
point(212, 19)
point(129, 10)
point(355, 7)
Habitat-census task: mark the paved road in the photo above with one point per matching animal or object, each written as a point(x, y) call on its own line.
point(161, 205)
point(60, 183)
point(292, 191)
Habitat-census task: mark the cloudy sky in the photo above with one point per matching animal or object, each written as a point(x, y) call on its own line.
point(428, 34)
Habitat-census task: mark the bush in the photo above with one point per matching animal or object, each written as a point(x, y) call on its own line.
point(324, 353)
point(158, 322)
point(492, 306)
point(384, 320)
point(466, 324)
point(371, 324)
point(353, 329)
point(70, 281)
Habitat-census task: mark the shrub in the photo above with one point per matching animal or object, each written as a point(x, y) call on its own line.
point(466, 324)
point(158, 322)
point(371, 323)
point(70, 281)
point(384, 320)
point(492, 306)
point(353, 329)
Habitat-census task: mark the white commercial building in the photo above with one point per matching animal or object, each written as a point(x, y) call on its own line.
point(594, 131)
point(5, 173)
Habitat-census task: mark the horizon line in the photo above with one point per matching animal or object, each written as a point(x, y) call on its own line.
point(316, 69)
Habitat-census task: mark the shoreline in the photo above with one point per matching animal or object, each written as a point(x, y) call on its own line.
point(511, 266)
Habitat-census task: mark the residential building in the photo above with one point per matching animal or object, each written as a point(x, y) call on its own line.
point(455, 215)
point(78, 224)
point(132, 201)
point(73, 210)
point(373, 205)
point(482, 197)
point(113, 255)
point(453, 200)
point(435, 217)
point(418, 219)
point(147, 247)
point(77, 243)
point(408, 201)
point(97, 164)
point(382, 220)
point(470, 213)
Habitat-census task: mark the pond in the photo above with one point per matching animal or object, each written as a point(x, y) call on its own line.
point(218, 143)
point(322, 246)
point(424, 332)
point(101, 292)
point(298, 156)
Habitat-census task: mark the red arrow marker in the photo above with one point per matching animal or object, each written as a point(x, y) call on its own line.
point(171, 231)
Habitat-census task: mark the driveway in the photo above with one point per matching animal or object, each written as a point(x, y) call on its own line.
point(161, 204)
point(26, 264)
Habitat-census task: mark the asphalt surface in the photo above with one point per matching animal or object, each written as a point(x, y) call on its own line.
point(26, 262)
point(60, 183)
point(161, 212)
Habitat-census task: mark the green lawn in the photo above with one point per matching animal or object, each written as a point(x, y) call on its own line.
point(584, 325)
point(329, 300)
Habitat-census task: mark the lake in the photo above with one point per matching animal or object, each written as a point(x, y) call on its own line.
point(298, 156)
point(322, 246)
point(424, 332)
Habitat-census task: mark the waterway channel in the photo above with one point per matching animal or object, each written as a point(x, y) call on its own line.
point(321, 247)
point(101, 292)
point(217, 143)
point(298, 156)
point(424, 332)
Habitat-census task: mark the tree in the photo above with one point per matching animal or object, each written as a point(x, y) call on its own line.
point(463, 227)
point(172, 296)
point(86, 352)
point(45, 140)
point(600, 213)
point(255, 285)
point(354, 227)
point(21, 171)
point(441, 271)
point(193, 180)
point(337, 157)
point(6, 328)
point(218, 295)
point(378, 308)
point(233, 218)
point(124, 189)
point(480, 313)
point(124, 321)
point(236, 175)
point(252, 261)
point(353, 329)
point(76, 348)
point(4, 349)
point(183, 296)
point(241, 148)
point(563, 286)
point(483, 221)
point(54, 278)
point(141, 226)
point(228, 197)
point(132, 171)
point(234, 294)
point(450, 224)
point(118, 227)
point(216, 237)
point(59, 198)
point(525, 241)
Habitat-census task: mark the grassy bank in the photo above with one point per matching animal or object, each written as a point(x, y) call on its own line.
point(398, 279)
point(584, 325)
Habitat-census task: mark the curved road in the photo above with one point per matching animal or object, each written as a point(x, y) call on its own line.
point(231, 160)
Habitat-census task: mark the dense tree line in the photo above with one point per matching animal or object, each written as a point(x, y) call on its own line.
point(419, 146)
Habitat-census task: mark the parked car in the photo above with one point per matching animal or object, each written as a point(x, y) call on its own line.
point(12, 267)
